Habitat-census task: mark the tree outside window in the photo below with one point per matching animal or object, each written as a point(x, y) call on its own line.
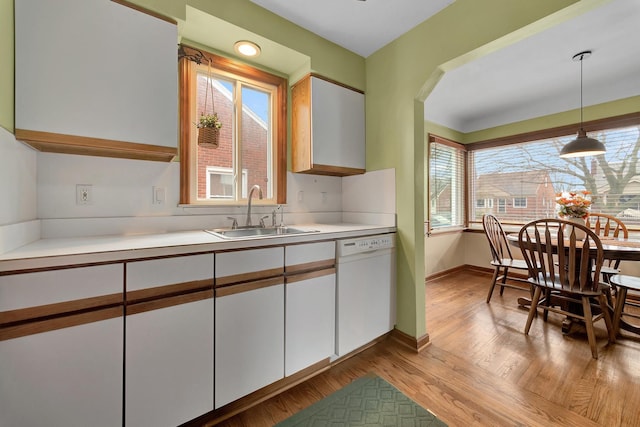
point(531, 173)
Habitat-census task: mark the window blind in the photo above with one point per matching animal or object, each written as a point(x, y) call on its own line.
point(446, 183)
point(523, 179)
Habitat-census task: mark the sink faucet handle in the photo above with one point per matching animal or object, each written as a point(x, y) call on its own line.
point(235, 222)
point(273, 215)
point(262, 221)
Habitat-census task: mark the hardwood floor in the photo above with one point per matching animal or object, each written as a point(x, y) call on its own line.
point(481, 370)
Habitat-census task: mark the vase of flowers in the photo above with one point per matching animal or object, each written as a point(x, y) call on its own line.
point(574, 206)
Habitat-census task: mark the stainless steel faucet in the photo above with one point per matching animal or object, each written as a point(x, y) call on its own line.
point(255, 187)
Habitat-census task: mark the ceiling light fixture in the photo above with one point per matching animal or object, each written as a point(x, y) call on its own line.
point(582, 145)
point(246, 48)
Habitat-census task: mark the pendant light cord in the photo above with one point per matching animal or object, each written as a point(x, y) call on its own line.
point(581, 59)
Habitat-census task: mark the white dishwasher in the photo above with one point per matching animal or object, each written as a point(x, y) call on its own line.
point(366, 290)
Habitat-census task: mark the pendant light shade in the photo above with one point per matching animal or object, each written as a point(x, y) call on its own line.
point(582, 145)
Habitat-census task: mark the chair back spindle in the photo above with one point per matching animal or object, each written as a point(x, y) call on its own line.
point(497, 238)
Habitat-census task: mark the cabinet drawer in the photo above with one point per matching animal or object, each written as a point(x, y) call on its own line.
point(49, 287)
point(246, 265)
point(161, 283)
point(309, 256)
point(169, 271)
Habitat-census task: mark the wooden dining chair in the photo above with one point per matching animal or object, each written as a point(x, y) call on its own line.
point(625, 283)
point(502, 259)
point(608, 226)
point(569, 268)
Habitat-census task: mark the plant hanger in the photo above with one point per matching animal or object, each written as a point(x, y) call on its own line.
point(209, 125)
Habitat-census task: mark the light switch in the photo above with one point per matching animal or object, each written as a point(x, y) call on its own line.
point(159, 195)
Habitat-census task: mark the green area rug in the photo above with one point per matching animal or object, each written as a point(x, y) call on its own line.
point(367, 401)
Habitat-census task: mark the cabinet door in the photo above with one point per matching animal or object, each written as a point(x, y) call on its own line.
point(95, 68)
point(310, 319)
point(169, 340)
point(328, 128)
point(169, 376)
point(338, 126)
point(69, 377)
point(249, 338)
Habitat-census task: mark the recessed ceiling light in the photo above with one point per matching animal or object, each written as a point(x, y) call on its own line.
point(246, 48)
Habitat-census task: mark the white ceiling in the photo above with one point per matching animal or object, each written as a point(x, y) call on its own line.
point(528, 79)
point(360, 26)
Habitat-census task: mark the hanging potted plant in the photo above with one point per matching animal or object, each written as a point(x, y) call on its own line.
point(209, 130)
point(209, 124)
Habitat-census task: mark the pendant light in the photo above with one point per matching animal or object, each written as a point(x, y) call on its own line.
point(582, 145)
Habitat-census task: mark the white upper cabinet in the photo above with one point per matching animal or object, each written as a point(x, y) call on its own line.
point(95, 69)
point(328, 128)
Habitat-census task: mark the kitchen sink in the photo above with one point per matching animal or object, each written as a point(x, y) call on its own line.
point(240, 233)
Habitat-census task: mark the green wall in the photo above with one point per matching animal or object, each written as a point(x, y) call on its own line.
point(6, 64)
point(399, 77)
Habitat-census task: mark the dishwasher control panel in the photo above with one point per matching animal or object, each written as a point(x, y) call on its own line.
point(365, 244)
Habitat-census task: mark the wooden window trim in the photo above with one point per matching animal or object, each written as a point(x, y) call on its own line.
point(624, 120)
point(186, 126)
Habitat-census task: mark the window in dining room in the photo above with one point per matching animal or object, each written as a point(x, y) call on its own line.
point(446, 184)
point(525, 173)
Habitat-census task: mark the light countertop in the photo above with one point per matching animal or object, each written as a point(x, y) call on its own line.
point(48, 253)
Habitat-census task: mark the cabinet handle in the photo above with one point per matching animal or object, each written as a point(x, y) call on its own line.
point(310, 275)
point(248, 286)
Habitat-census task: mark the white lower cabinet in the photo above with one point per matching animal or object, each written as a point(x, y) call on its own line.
point(169, 340)
point(69, 377)
point(61, 347)
point(310, 304)
point(169, 365)
point(249, 339)
point(310, 319)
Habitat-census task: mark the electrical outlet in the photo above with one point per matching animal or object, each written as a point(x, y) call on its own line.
point(84, 194)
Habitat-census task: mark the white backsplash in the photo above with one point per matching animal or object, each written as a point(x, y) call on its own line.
point(122, 199)
point(370, 198)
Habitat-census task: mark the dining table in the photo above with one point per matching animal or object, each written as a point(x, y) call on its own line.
point(616, 248)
